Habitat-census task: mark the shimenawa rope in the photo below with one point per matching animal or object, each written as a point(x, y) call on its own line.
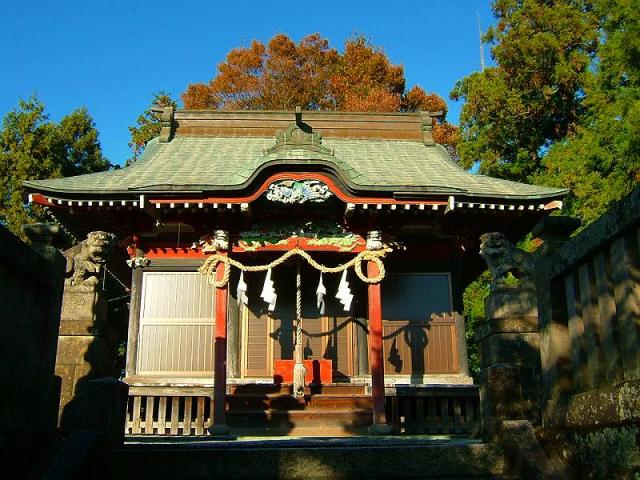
point(209, 266)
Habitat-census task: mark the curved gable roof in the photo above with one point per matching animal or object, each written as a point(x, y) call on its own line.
point(189, 163)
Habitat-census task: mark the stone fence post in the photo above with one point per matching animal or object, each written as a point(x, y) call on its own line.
point(84, 352)
point(102, 408)
point(509, 341)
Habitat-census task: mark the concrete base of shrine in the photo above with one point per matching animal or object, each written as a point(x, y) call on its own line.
point(379, 429)
point(302, 458)
point(219, 430)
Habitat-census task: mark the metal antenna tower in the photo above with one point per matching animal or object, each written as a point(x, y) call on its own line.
point(480, 37)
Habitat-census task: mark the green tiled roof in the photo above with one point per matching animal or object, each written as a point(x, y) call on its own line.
point(218, 164)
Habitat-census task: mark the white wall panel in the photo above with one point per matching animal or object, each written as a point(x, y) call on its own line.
point(176, 325)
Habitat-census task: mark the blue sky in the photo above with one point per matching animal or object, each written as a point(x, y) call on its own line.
point(110, 56)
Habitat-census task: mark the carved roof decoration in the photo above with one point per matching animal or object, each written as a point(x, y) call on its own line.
point(298, 191)
point(299, 136)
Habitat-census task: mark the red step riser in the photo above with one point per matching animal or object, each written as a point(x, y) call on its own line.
point(289, 403)
point(269, 389)
point(306, 420)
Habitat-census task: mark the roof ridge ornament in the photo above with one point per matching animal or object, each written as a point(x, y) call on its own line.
point(299, 136)
point(427, 120)
point(166, 122)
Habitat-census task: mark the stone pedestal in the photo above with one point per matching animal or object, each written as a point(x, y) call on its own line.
point(102, 408)
point(509, 358)
point(83, 348)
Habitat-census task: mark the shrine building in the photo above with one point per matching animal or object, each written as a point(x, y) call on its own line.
point(293, 257)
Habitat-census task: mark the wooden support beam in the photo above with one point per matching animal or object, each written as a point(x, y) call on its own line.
point(246, 211)
point(134, 322)
point(451, 204)
point(219, 426)
point(376, 355)
point(233, 334)
point(463, 362)
point(349, 211)
point(362, 341)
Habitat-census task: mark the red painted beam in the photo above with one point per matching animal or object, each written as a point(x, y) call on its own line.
point(295, 176)
point(376, 356)
point(220, 351)
point(40, 199)
point(173, 252)
point(168, 251)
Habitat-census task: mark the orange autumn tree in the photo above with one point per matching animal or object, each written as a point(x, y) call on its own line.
point(283, 74)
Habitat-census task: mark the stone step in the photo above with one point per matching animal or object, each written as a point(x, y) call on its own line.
point(289, 402)
point(267, 388)
point(299, 418)
point(304, 431)
point(362, 458)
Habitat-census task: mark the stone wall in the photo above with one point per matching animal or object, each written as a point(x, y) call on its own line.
point(31, 283)
point(561, 349)
point(589, 302)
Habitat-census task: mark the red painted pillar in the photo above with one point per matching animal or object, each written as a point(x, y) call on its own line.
point(220, 356)
point(376, 356)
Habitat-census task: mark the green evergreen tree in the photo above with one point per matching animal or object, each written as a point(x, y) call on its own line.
point(33, 147)
point(600, 161)
point(561, 107)
point(78, 147)
point(534, 95)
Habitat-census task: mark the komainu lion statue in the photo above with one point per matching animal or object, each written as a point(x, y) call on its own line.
point(502, 257)
point(84, 260)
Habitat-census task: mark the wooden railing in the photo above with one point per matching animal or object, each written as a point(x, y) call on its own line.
point(434, 410)
point(185, 411)
point(169, 411)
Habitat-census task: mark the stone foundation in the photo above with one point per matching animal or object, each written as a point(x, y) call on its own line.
point(509, 346)
point(84, 352)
